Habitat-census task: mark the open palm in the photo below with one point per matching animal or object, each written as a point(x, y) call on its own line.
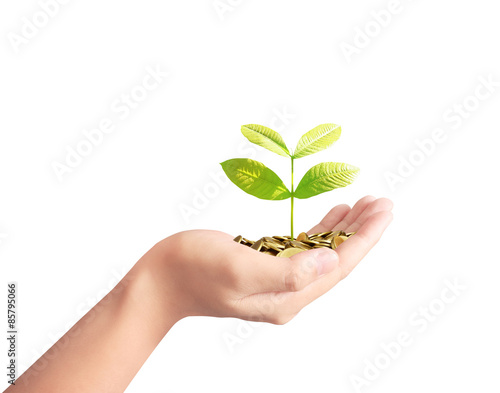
point(220, 277)
point(369, 218)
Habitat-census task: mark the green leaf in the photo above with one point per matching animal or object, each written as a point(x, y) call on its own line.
point(319, 138)
point(255, 178)
point(266, 138)
point(325, 177)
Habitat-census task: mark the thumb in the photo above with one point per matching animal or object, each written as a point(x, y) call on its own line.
point(303, 268)
point(319, 261)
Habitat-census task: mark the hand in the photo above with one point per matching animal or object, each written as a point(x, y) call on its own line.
point(207, 273)
point(198, 273)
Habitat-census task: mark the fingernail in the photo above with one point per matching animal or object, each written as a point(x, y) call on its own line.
point(326, 260)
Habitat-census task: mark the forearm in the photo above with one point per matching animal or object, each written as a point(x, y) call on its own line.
point(104, 350)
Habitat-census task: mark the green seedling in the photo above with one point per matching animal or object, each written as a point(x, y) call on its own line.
point(256, 179)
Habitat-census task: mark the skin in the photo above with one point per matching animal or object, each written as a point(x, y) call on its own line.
point(217, 278)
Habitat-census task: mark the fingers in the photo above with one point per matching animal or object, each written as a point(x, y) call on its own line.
point(342, 217)
point(280, 307)
point(273, 274)
point(358, 245)
point(334, 216)
point(350, 253)
point(379, 205)
point(356, 211)
point(285, 285)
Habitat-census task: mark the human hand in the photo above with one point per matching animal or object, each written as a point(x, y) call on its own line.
point(206, 273)
point(198, 273)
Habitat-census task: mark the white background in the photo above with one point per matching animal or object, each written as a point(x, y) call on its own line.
point(65, 242)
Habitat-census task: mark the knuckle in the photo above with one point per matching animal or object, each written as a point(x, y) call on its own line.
point(299, 274)
point(293, 281)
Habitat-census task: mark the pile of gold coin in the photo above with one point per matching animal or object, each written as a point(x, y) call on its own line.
point(284, 246)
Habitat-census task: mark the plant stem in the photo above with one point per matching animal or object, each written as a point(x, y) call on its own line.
point(291, 212)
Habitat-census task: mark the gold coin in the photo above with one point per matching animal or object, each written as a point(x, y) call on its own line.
point(338, 240)
point(301, 237)
point(297, 244)
point(287, 253)
point(331, 235)
point(257, 245)
point(275, 247)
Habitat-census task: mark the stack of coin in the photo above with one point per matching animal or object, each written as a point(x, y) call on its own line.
point(284, 246)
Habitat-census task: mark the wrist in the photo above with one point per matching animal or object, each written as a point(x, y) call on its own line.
point(151, 293)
